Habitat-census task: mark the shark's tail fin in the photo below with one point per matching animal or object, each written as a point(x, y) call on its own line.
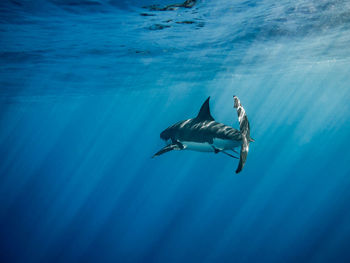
point(245, 132)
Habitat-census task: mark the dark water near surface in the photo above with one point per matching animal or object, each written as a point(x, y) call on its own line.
point(87, 86)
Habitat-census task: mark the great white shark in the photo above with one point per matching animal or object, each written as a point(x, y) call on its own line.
point(204, 134)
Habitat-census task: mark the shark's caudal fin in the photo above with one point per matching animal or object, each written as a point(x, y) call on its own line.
point(245, 132)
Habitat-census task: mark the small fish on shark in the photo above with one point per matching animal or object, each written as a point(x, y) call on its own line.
point(204, 134)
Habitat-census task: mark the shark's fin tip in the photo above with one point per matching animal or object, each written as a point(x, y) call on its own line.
point(204, 112)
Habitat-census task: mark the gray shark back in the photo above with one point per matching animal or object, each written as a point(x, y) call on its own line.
point(200, 131)
point(203, 128)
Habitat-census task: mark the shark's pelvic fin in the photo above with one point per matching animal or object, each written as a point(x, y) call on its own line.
point(204, 112)
point(245, 132)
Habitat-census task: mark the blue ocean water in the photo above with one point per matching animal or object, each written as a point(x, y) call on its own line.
point(87, 86)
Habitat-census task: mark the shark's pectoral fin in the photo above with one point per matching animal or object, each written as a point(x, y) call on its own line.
point(216, 150)
point(168, 148)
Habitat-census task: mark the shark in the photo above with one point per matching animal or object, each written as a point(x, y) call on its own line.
point(204, 134)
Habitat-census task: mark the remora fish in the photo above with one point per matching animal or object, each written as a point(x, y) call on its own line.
point(204, 134)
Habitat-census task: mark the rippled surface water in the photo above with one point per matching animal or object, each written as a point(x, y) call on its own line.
point(87, 86)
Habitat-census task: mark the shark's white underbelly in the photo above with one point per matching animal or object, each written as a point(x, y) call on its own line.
point(219, 144)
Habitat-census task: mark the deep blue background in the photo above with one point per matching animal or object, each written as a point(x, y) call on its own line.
point(87, 86)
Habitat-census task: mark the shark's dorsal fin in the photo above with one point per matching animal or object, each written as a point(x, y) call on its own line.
point(204, 112)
